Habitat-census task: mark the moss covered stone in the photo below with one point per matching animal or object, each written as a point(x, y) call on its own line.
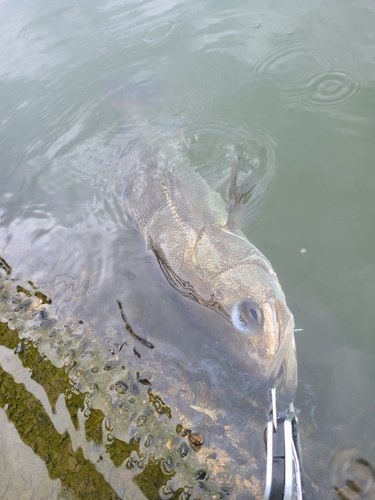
point(37, 431)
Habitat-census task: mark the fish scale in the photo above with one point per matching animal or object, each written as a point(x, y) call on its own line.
point(226, 285)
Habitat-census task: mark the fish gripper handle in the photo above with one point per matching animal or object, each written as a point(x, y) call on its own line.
point(283, 479)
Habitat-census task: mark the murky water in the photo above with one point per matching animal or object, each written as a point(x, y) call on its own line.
point(87, 411)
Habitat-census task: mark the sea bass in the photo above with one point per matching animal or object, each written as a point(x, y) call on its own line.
point(230, 287)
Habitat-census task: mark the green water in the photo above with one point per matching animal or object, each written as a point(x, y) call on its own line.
point(289, 85)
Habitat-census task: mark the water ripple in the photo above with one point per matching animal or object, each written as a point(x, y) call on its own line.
point(352, 473)
point(330, 89)
point(295, 55)
point(212, 143)
point(159, 32)
point(309, 73)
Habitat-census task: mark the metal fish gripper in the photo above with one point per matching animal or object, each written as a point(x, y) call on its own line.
point(283, 477)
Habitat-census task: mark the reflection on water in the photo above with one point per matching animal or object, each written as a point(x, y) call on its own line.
point(87, 408)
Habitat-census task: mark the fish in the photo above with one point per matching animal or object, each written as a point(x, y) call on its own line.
point(228, 286)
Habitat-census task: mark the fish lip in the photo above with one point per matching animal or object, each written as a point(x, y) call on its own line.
point(281, 352)
point(290, 375)
point(280, 370)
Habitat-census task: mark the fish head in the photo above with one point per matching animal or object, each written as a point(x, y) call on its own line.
point(260, 326)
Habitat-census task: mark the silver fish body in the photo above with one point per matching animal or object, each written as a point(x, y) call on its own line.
point(239, 298)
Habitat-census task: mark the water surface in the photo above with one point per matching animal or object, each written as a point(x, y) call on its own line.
point(289, 86)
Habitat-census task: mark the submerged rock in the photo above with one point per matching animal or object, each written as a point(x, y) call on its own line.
point(125, 436)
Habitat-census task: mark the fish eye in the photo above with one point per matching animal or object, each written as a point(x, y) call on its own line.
point(247, 316)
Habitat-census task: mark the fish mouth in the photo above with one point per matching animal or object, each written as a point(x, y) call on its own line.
point(290, 375)
point(283, 372)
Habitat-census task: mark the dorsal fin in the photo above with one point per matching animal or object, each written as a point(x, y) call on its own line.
point(195, 202)
point(244, 192)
